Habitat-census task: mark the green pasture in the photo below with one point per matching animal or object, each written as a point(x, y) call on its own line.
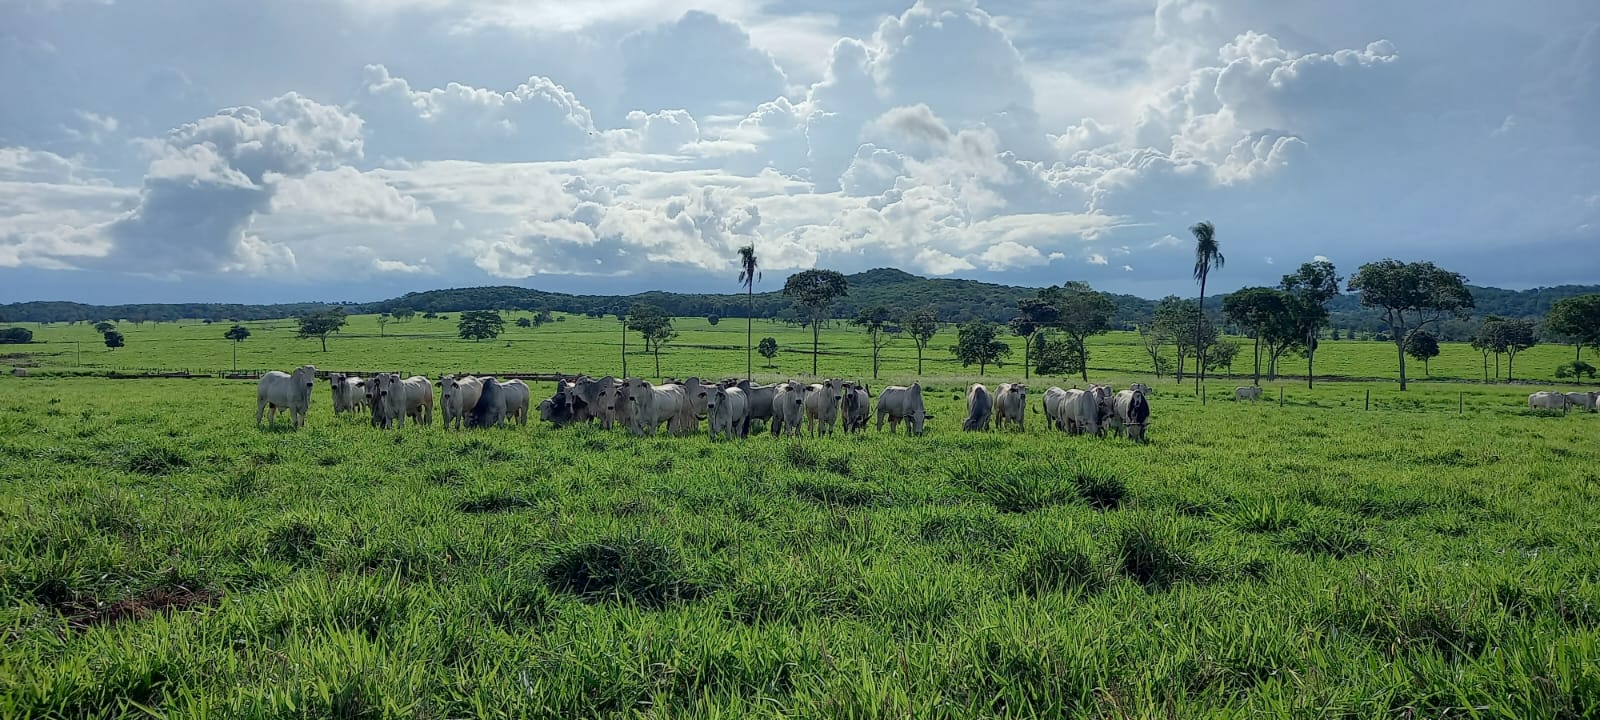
point(580, 344)
point(162, 557)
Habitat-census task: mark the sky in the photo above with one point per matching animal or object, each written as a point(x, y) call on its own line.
point(256, 151)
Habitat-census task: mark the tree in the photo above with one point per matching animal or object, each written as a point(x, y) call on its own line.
point(1577, 318)
point(237, 334)
point(814, 292)
point(321, 324)
point(768, 349)
point(1176, 317)
point(1207, 257)
point(114, 339)
point(653, 324)
point(478, 325)
point(1517, 335)
point(1313, 285)
point(383, 319)
point(922, 325)
point(1577, 370)
point(1254, 309)
point(1033, 315)
point(978, 342)
point(749, 273)
point(1221, 355)
point(542, 317)
point(1423, 346)
point(430, 315)
point(104, 326)
point(1154, 339)
point(523, 322)
point(16, 336)
point(1081, 311)
point(712, 320)
point(878, 322)
point(1484, 342)
point(404, 314)
point(1411, 296)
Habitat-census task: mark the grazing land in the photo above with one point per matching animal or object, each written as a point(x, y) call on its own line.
point(583, 344)
point(160, 555)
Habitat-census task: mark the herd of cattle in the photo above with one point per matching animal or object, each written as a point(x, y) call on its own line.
point(1588, 401)
point(730, 407)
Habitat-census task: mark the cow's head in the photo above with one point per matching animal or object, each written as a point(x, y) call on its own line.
point(714, 399)
point(335, 379)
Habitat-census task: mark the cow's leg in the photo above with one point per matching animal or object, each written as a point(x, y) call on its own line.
point(261, 406)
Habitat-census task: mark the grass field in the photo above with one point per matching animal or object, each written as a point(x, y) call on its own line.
point(160, 556)
point(580, 344)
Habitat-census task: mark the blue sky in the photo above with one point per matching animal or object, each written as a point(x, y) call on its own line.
point(226, 150)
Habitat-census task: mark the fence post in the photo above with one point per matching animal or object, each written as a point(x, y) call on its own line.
point(1280, 397)
point(1461, 403)
point(1202, 397)
point(1368, 405)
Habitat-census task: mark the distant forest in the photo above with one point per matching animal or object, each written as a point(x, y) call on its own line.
point(953, 300)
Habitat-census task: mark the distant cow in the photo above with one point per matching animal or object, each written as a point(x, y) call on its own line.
point(857, 407)
point(725, 413)
point(1547, 401)
point(286, 391)
point(980, 408)
point(1585, 400)
point(788, 409)
point(902, 403)
point(1130, 414)
point(1248, 392)
point(822, 406)
point(458, 395)
point(349, 393)
point(1010, 405)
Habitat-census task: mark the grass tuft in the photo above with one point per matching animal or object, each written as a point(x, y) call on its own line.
point(494, 502)
point(154, 460)
point(622, 570)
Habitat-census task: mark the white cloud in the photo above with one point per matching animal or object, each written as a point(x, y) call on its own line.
point(1127, 268)
point(1097, 259)
point(345, 194)
point(1320, 258)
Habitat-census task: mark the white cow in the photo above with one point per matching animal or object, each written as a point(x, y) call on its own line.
point(1130, 414)
point(1083, 411)
point(1010, 405)
point(649, 406)
point(759, 400)
point(286, 391)
point(788, 409)
point(416, 394)
point(822, 406)
point(1585, 400)
point(726, 410)
point(980, 408)
point(1055, 403)
point(1248, 392)
point(518, 398)
point(857, 407)
point(1547, 401)
point(902, 403)
point(1141, 388)
point(349, 393)
point(458, 395)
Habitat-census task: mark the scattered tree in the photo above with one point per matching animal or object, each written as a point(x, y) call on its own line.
point(1154, 338)
point(404, 314)
point(1423, 346)
point(114, 339)
point(1221, 355)
point(749, 273)
point(1412, 296)
point(978, 342)
point(1517, 335)
point(16, 336)
point(1207, 257)
point(430, 315)
point(1081, 312)
point(814, 292)
point(1255, 309)
point(1484, 342)
point(104, 326)
point(713, 319)
point(321, 324)
point(1055, 356)
point(523, 322)
point(768, 349)
point(383, 319)
point(653, 324)
point(878, 323)
point(1033, 316)
point(1312, 286)
point(478, 325)
point(1577, 318)
point(1177, 317)
point(1576, 370)
point(922, 325)
point(237, 334)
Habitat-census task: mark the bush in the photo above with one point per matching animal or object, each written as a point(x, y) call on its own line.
point(15, 336)
point(1577, 369)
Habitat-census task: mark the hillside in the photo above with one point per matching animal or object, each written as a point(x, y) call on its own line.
point(955, 300)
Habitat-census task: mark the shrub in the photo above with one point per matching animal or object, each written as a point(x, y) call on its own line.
point(1577, 369)
point(16, 336)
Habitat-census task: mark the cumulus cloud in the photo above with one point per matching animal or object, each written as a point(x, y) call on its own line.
point(537, 120)
point(1097, 259)
point(700, 63)
point(345, 194)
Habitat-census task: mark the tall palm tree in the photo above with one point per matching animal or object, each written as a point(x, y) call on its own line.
point(748, 274)
point(1207, 257)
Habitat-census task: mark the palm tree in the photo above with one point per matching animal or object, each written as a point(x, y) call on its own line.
point(748, 274)
point(1207, 257)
